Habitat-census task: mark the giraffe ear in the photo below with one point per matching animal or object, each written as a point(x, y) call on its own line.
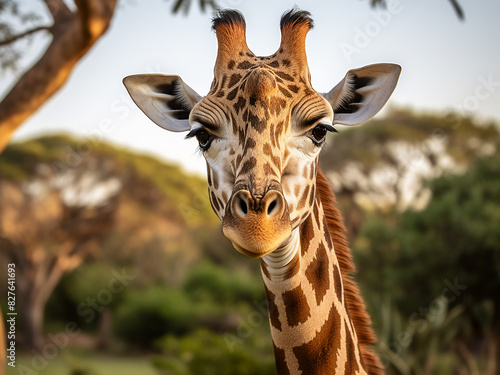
point(362, 93)
point(165, 99)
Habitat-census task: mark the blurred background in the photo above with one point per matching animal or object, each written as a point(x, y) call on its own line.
point(121, 266)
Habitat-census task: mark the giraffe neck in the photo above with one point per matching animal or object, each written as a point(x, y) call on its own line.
point(309, 306)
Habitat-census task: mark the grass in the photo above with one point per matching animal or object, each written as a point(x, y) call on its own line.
point(67, 363)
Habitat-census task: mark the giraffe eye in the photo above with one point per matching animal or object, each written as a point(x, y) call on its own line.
point(319, 134)
point(203, 138)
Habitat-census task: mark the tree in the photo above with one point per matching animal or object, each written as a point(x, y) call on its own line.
point(65, 200)
point(452, 243)
point(73, 34)
point(438, 264)
point(385, 164)
point(50, 225)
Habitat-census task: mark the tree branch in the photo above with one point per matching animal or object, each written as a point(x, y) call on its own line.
point(14, 38)
point(73, 35)
point(57, 8)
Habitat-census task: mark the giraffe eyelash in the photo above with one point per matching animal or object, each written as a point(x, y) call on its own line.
point(196, 132)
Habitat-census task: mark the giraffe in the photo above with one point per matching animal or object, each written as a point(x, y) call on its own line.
point(261, 128)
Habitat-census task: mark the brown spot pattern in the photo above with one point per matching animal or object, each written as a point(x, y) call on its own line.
point(281, 367)
point(306, 234)
point(250, 143)
point(235, 78)
point(245, 65)
point(269, 152)
point(296, 307)
point(257, 123)
point(240, 104)
point(351, 366)
point(248, 165)
point(268, 170)
point(232, 94)
point(285, 76)
point(302, 201)
point(215, 203)
point(337, 282)
point(276, 105)
point(284, 91)
point(318, 274)
point(274, 315)
point(317, 357)
point(311, 196)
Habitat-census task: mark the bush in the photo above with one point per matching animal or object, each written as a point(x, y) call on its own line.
point(148, 315)
point(208, 281)
point(453, 243)
point(206, 353)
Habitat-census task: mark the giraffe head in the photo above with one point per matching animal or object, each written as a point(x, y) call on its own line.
point(261, 126)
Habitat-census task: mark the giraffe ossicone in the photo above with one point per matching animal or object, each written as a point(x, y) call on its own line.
point(261, 128)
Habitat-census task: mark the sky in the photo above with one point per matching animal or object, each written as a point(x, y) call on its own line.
point(447, 64)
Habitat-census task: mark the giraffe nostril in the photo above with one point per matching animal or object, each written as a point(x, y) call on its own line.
point(243, 206)
point(272, 207)
point(275, 205)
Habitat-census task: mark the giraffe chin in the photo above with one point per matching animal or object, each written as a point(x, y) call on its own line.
point(260, 252)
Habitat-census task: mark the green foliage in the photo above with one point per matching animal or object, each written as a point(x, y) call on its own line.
point(156, 312)
point(210, 282)
point(84, 293)
point(210, 297)
point(465, 137)
point(185, 193)
point(441, 266)
point(19, 160)
point(426, 343)
point(68, 362)
point(455, 236)
point(206, 353)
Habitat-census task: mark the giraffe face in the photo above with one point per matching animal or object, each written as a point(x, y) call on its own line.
point(261, 127)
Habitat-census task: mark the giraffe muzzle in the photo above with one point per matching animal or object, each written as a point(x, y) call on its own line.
point(257, 225)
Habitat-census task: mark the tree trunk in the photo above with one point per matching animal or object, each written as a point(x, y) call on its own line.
point(105, 329)
point(32, 322)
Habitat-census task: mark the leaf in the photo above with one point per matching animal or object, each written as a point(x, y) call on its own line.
point(458, 9)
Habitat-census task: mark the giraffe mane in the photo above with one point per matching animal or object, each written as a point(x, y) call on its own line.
point(355, 304)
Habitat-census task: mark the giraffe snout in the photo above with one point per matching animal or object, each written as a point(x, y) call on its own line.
point(271, 205)
point(257, 225)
